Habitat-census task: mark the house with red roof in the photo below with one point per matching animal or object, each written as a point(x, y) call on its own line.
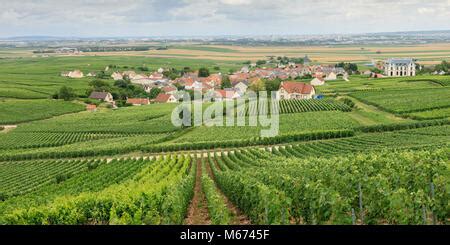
point(213, 80)
point(295, 90)
point(138, 101)
point(91, 107)
point(165, 98)
point(169, 90)
point(222, 94)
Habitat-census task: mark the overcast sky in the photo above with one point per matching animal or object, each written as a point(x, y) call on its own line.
point(88, 18)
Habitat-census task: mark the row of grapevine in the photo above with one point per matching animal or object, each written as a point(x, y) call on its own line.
point(49, 139)
point(402, 102)
point(159, 194)
point(402, 126)
point(96, 177)
point(263, 204)
point(403, 187)
point(217, 208)
point(156, 148)
point(19, 178)
point(295, 106)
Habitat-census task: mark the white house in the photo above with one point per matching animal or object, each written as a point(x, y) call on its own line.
point(73, 74)
point(318, 81)
point(400, 67)
point(104, 96)
point(193, 85)
point(241, 86)
point(331, 76)
point(117, 76)
point(295, 90)
point(222, 95)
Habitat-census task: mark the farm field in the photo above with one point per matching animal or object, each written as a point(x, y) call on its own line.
point(372, 151)
point(18, 111)
point(361, 83)
point(289, 123)
point(39, 78)
point(426, 53)
point(405, 101)
point(47, 202)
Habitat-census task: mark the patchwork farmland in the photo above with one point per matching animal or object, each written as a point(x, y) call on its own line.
point(372, 151)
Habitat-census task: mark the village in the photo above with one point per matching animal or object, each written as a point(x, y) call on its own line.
point(295, 80)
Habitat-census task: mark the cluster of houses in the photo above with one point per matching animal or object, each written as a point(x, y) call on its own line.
point(211, 85)
point(242, 80)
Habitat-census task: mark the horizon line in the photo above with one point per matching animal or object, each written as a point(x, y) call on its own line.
point(220, 35)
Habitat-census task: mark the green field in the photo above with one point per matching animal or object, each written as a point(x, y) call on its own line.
point(405, 101)
point(361, 83)
point(373, 151)
point(17, 111)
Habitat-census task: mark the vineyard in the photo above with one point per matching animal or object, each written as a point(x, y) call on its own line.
point(49, 139)
point(290, 106)
point(276, 186)
point(17, 111)
point(294, 106)
point(407, 101)
point(372, 151)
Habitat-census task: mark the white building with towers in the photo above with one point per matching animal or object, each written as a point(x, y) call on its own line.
point(400, 67)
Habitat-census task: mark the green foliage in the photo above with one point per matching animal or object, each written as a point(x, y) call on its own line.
point(348, 67)
point(217, 208)
point(154, 92)
point(295, 106)
point(18, 111)
point(394, 186)
point(66, 93)
point(272, 84)
point(148, 198)
point(203, 72)
point(260, 62)
point(444, 66)
point(406, 101)
point(348, 102)
point(226, 83)
point(100, 85)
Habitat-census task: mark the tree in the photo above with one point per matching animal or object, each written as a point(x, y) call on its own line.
point(203, 72)
point(154, 92)
point(444, 66)
point(66, 93)
point(376, 70)
point(143, 68)
point(348, 67)
point(257, 86)
point(272, 85)
point(102, 75)
point(260, 62)
point(100, 85)
point(186, 69)
point(226, 83)
point(179, 86)
point(122, 83)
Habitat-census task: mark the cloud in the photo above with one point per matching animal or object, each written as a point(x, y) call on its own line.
point(212, 17)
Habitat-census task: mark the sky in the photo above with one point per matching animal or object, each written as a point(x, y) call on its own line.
point(116, 18)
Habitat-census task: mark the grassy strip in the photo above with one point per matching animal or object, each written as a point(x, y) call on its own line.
point(402, 126)
point(217, 208)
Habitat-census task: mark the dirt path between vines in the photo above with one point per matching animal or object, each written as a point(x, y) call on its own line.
point(198, 208)
point(239, 218)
